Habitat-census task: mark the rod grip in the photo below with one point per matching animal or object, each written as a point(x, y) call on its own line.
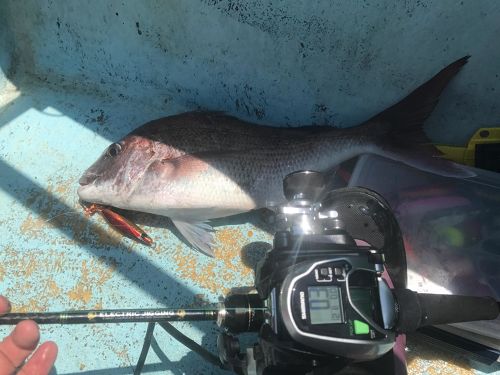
point(418, 310)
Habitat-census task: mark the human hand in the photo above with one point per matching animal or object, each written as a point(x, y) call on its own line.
point(23, 340)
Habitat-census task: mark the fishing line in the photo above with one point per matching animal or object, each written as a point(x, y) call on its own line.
point(62, 214)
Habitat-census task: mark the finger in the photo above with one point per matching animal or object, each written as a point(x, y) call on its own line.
point(16, 347)
point(42, 360)
point(4, 305)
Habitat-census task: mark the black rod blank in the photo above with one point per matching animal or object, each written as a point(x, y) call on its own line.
point(111, 316)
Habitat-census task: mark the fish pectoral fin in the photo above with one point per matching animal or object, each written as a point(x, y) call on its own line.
point(198, 234)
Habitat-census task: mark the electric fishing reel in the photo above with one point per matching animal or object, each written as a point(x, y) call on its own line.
point(322, 301)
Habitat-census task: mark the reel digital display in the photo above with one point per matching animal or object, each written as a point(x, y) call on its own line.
point(325, 306)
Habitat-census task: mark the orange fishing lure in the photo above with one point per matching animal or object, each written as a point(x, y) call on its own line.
point(117, 221)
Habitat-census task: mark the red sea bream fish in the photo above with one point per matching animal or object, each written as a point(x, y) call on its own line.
point(197, 166)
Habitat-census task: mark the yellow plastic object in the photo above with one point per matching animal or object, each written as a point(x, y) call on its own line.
point(467, 155)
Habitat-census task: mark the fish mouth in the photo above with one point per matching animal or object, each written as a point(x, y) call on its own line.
point(88, 194)
point(87, 179)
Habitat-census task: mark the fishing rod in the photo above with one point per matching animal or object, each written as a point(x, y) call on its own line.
point(234, 312)
point(153, 315)
point(225, 313)
point(113, 316)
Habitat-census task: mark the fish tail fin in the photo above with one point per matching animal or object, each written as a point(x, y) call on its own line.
point(399, 129)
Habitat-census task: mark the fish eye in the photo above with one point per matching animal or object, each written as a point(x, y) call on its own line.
point(114, 149)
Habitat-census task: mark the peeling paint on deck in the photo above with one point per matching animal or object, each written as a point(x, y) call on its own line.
point(224, 271)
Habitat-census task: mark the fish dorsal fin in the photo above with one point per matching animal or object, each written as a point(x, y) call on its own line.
point(198, 234)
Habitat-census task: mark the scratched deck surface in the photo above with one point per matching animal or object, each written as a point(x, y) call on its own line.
point(83, 76)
